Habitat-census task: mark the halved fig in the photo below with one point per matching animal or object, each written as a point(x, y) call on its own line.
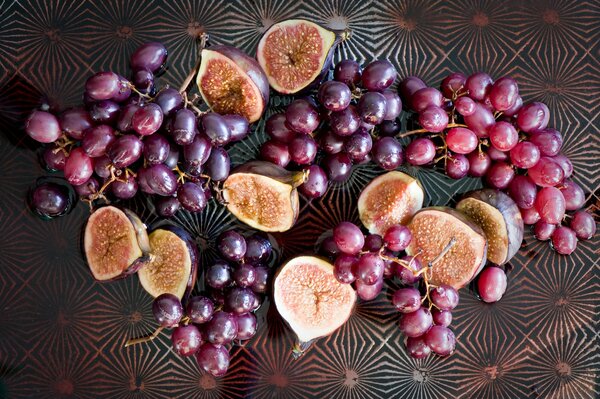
point(392, 198)
point(433, 229)
point(232, 82)
point(115, 243)
point(295, 54)
point(499, 217)
point(310, 299)
point(173, 265)
point(263, 195)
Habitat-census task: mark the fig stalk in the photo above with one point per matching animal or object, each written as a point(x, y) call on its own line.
point(202, 40)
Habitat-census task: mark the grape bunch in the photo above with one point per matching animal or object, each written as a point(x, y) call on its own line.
point(208, 323)
point(130, 136)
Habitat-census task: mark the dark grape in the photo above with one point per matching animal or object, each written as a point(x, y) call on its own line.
point(389, 128)
point(373, 243)
point(167, 206)
point(218, 275)
point(97, 139)
point(125, 150)
point(441, 340)
point(480, 121)
point(232, 245)
point(191, 196)
point(441, 317)
point(328, 247)
point(169, 100)
point(102, 86)
point(303, 149)
point(405, 275)
point(331, 143)
point(349, 238)
point(183, 127)
point(215, 128)
point(372, 107)
point(338, 167)
point(478, 85)
point(564, 240)
point(105, 111)
point(335, 96)
point(453, 84)
point(397, 237)
point(124, 188)
point(50, 199)
point(543, 231)
point(261, 281)
point(457, 166)
point(218, 164)
point(42, 126)
point(277, 128)
point(246, 326)
point(426, 97)
point(583, 224)
point(348, 72)
point(199, 309)
point(368, 292)
point(125, 117)
point(417, 348)
point(378, 75)
point(358, 145)
point(237, 125)
point(214, 359)
point(258, 249)
point(74, 122)
point(275, 152)
point(416, 323)
point(240, 300)
point(90, 187)
point(54, 158)
point(387, 153)
point(222, 328)
point(523, 191)
point(147, 119)
point(433, 119)
point(186, 340)
point(564, 163)
point(316, 183)
point(408, 87)
point(499, 175)
point(393, 105)
point(345, 122)
point(161, 180)
point(302, 116)
point(407, 300)
point(151, 56)
point(549, 141)
point(244, 275)
point(167, 310)
point(143, 80)
point(156, 149)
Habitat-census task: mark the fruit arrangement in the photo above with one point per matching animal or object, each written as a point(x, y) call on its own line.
point(133, 138)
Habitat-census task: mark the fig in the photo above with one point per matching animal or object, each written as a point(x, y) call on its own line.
point(173, 264)
point(450, 243)
point(310, 299)
point(392, 198)
point(115, 243)
point(263, 195)
point(295, 54)
point(499, 217)
point(232, 82)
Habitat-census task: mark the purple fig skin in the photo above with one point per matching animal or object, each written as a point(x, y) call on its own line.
point(509, 211)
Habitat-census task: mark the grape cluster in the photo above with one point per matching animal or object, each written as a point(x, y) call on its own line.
point(130, 136)
point(208, 323)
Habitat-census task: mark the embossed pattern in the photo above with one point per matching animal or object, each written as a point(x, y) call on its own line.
point(62, 334)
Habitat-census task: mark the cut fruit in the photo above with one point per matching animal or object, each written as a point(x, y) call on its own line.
point(173, 265)
point(392, 198)
point(295, 54)
point(263, 195)
point(310, 299)
point(499, 217)
point(231, 82)
point(432, 230)
point(115, 243)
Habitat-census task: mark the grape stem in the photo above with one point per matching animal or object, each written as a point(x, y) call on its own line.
point(411, 132)
point(139, 93)
point(148, 338)
point(202, 40)
point(64, 144)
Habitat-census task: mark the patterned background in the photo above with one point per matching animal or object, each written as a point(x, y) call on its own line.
point(62, 334)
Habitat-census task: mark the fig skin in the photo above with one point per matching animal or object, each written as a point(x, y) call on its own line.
point(511, 215)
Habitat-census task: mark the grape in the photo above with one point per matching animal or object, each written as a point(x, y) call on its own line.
point(457, 166)
point(124, 91)
point(533, 116)
point(105, 111)
point(479, 163)
point(433, 119)
point(213, 359)
point(338, 167)
point(160, 179)
point(358, 145)
point(499, 175)
point(167, 206)
point(478, 85)
point(89, 188)
point(240, 300)
point(331, 143)
point(151, 56)
point(222, 328)
point(303, 150)
point(191, 196)
point(125, 116)
point(530, 216)
point(54, 158)
point(102, 86)
point(218, 275)
point(465, 105)
point(125, 189)
point(316, 183)
point(420, 151)
point(232, 245)
point(407, 300)
point(504, 136)
point(186, 340)
point(491, 284)
point(50, 199)
point(573, 194)
point(389, 128)
point(246, 326)
point(523, 191)
point(525, 155)
point(258, 249)
point(546, 173)
point(199, 309)
point(78, 167)
point(261, 282)
point(405, 275)
point(480, 121)
point(74, 122)
point(416, 323)
point(215, 128)
point(397, 237)
point(372, 107)
point(143, 81)
point(417, 348)
point(335, 96)
point(549, 141)
point(564, 240)
point(543, 231)
point(42, 126)
point(388, 153)
point(444, 297)
point(156, 149)
point(461, 140)
point(441, 340)
point(373, 243)
point(302, 116)
point(564, 163)
point(550, 204)
point(393, 105)
point(275, 152)
point(426, 97)
point(369, 268)
point(497, 155)
point(173, 157)
point(504, 93)
point(218, 164)
point(169, 100)
point(147, 119)
point(218, 297)
point(348, 72)
point(516, 107)
point(408, 87)
point(453, 84)
point(328, 247)
point(244, 275)
point(277, 128)
point(183, 127)
point(441, 317)
point(102, 166)
point(368, 292)
point(237, 125)
point(348, 238)
point(167, 310)
point(345, 122)
point(97, 139)
point(583, 224)
point(125, 150)
point(378, 75)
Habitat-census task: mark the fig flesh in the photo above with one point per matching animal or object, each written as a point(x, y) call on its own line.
point(392, 198)
point(115, 243)
point(432, 230)
point(231, 82)
point(499, 217)
point(310, 299)
point(263, 195)
point(173, 265)
point(295, 54)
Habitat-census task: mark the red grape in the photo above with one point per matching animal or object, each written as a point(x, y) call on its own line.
point(530, 216)
point(479, 163)
point(546, 173)
point(583, 224)
point(573, 194)
point(461, 140)
point(417, 348)
point(441, 340)
point(457, 166)
point(378, 75)
point(478, 85)
point(407, 300)
point(397, 238)
point(550, 204)
point(433, 119)
point(453, 84)
point(533, 116)
point(504, 93)
point(525, 155)
point(503, 136)
point(543, 231)
point(416, 323)
point(42, 126)
point(491, 284)
point(420, 151)
point(499, 175)
point(564, 240)
point(348, 238)
point(523, 191)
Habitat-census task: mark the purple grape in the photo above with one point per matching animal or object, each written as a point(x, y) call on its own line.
point(125, 150)
point(191, 196)
point(453, 84)
point(156, 149)
point(499, 175)
point(78, 167)
point(328, 247)
point(407, 300)
point(199, 309)
point(147, 119)
point(523, 191)
point(316, 184)
point(246, 326)
point(525, 155)
point(457, 166)
point(216, 129)
point(275, 152)
point(303, 149)
point(218, 164)
point(244, 275)
point(348, 72)
point(42, 126)
point(416, 323)
point(388, 153)
point(218, 275)
point(393, 105)
point(97, 139)
point(478, 85)
point(358, 145)
point(491, 284)
point(345, 122)
point(420, 151)
point(183, 127)
point(369, 268)
point(302, 116)
point(444, 297)
point(124, 189)
point(573, 194)
point(378, 75)
point(479, 163)
point(125, 117)
point(169, 100)
point(151, 56)
point(238, 126)
point(338, 167)
point(87, 189)
point(74, 122)
point(167, 310)
point(397, 238)
point(54, 158)
point(160, 179)
point(102, 166)
point(533, 116)
point(372, 107)
point(143, 81)
point(102, 86)
point(583, 224)
point(335, 96)
point(240, 300)
point(261, 281)
point(222, 328)
point(480, 121)
point(258, 249)
point(389, 128)
point(408, 87)
point(426, 97)
point(373, 243)
point(344, 267)
point(124, 91)
point(433, 119)
point(564, 240)
point(213, 359)
point(277, 128)
point(232, 245)
point(549, 141)
point(173, 157)
point(197, 152)
point(465, 105)
point(331, 143)
point(441, 317)
point(167, 206)
point(368, 292)
point(417, 348)
point(186, 340)
point(50, 199)
point(348, 238)
point(441, 340)
point(105, 111)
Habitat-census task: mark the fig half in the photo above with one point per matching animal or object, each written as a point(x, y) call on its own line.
point(310, 299)
point(295, 54)
point(499, 217)
point(232, 82)
point(433, 229)
point(263, 195)
point(392, 198)
point(173, 265)
point(115, 243)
